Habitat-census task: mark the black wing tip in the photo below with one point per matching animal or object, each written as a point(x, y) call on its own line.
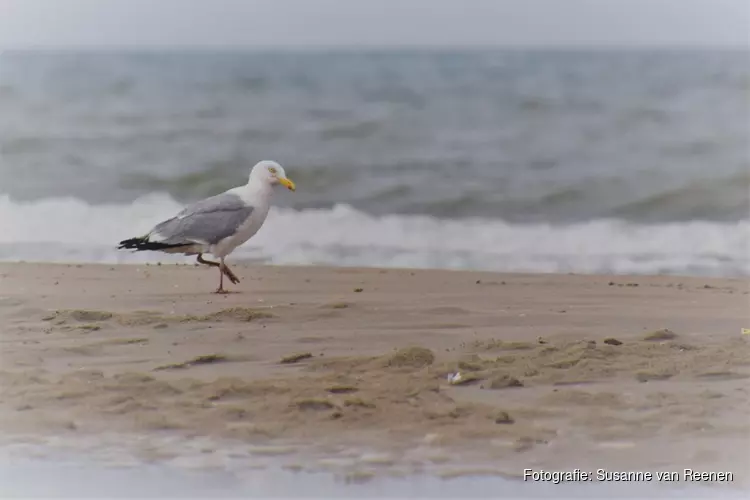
point(131, 243)
point(140, 244)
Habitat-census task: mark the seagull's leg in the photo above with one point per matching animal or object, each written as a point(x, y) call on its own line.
point(207, 262)
point(222, 266)
point(225, 269)
point(222, 272)
point(221, 282)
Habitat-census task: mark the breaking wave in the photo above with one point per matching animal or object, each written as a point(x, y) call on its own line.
point(71, 230)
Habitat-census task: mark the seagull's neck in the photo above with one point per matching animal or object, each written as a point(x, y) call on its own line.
point(255, 191)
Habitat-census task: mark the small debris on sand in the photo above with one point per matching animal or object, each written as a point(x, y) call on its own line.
point(459, 378)
point(502, 417)
point(645, 376)
point(338, 305)
point(314, 404)
point(660, 335)
point(342, 389)
point(294, 358)
point(198, 360)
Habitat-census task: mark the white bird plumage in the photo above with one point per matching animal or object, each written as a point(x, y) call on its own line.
point(218, 224)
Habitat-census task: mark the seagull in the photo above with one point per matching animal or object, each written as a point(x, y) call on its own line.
point(218, 224)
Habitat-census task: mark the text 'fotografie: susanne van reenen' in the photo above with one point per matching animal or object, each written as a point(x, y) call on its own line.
point(577, 475)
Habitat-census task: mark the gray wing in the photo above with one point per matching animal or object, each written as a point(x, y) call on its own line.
point(207, 221)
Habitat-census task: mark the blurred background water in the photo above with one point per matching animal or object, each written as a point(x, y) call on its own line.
point(626, 161)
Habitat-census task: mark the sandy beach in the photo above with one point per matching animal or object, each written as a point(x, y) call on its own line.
point(505, 371)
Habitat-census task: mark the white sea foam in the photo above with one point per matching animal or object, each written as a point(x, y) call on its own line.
point(70, 230)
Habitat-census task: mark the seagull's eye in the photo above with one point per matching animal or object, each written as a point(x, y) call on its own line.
point(272, 170)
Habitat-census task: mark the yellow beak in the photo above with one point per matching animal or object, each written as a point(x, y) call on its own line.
point(287, 183)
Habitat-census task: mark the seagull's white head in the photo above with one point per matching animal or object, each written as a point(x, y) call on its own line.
point(272, 173)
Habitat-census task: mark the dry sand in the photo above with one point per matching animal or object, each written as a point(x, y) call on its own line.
point(556, 371)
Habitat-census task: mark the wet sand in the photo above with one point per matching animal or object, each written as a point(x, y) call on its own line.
point(500, 371)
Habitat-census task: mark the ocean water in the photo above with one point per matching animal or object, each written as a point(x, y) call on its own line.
point(628, 161)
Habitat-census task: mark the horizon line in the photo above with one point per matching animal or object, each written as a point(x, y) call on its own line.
point(366, 47)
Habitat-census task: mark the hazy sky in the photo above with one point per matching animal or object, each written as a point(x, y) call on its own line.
point(262, 23)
